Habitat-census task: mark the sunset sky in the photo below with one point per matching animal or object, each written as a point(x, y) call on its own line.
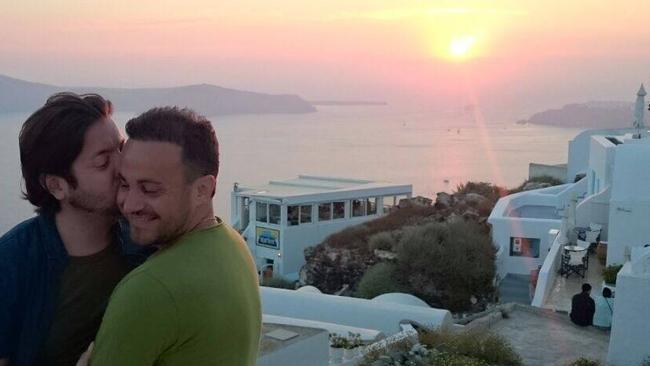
point(522, 55)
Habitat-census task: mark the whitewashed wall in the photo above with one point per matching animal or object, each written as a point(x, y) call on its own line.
point(630, 336)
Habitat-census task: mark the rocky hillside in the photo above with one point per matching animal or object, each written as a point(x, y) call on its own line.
point(341, 260)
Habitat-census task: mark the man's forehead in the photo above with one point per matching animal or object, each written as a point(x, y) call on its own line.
point(151, 155)
point(102, 135)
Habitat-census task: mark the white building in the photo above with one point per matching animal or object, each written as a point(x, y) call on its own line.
point(303, 312)
point(610, 196)
point(612, 190)
point(282, 218)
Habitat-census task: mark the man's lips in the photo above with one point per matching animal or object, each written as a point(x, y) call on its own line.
point(142, 219)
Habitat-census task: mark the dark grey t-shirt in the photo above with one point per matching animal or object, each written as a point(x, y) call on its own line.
point(85, 287)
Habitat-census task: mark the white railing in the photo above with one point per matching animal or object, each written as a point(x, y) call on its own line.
point(549, 270)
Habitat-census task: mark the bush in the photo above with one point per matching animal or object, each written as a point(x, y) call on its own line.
point(399, 351)
point(487, 190)
point(279, 282)
point(610, 272)
point(584, 362)
point(382, 241)
point(447, 263)
point(485, 346)
point(447, 359)
point(541, 179)
point(379, 279)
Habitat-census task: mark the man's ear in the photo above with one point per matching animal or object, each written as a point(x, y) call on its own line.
point(57, 186)
point(204, 188)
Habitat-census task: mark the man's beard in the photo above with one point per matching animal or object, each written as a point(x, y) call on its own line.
point(168, 231)
point(93, 203)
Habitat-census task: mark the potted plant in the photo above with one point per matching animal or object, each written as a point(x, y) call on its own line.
point(352, 347)
point(601, 252)
point(337, 343)
point(609, 275)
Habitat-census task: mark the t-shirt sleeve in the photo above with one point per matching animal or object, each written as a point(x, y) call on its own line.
point(140, 323)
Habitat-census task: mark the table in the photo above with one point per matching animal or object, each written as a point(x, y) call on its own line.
point(574, 248)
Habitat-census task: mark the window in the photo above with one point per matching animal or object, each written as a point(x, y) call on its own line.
point(325, 211)
point(524, 247)
point(260, 212)
point(358, 208)
point(298, 215)
point(389, 202)
point(371, 205)
point(400, 198)
point(339, 210)
point(274, 214)
point(293, 215)
point(305, 214)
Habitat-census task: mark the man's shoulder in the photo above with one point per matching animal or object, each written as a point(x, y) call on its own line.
point(21, 236)
point(141, 282)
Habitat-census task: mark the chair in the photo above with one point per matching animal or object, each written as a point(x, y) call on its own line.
point(595, 227)
point(574, 262)
point(591, 236)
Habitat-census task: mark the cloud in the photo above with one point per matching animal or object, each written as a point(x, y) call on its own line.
point(404, 13)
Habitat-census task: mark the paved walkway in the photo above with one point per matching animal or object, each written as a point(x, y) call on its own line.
point(515, 288)
point(545, 338)
point(559, 298)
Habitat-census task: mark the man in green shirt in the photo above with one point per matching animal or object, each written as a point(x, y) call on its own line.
point(196, 300)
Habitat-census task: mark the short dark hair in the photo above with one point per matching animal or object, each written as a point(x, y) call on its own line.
point(607, 292)
point(586, 287)
point(51, 139)
point(183, 127)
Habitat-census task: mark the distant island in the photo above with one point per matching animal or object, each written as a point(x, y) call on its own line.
point(210, 100)
point(347, 102)
point(603, 114)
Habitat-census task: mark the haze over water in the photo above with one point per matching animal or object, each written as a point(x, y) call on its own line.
point(382, 143)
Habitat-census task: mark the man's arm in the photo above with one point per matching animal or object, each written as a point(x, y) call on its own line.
point(139, 325)
point(8, 319)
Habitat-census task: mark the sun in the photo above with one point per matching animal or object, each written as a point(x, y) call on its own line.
point(461, 47)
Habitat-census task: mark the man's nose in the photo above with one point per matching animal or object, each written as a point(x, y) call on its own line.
point(130, 201)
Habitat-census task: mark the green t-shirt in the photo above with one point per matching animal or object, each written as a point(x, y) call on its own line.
point(195, 303)
point(85, 286)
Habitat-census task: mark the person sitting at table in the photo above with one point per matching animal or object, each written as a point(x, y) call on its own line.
point(604, 310)
point(583, 307)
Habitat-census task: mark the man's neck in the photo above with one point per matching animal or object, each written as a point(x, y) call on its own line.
point(84, 233)
point(202, 219)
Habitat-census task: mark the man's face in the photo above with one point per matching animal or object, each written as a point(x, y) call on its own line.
point(95, 169)
point(154, 194)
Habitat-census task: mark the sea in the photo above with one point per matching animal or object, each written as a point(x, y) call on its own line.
point(432, 151)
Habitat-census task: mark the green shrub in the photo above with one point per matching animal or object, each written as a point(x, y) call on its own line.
point(397, 351)
point(382, 241)
point(487, 190)
point(379, 279)
point(279, 282)
point(448, 359)
point(447, 263)
point(484, 346)
point(541, 179)
point(584, 362)
point(610, 272)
